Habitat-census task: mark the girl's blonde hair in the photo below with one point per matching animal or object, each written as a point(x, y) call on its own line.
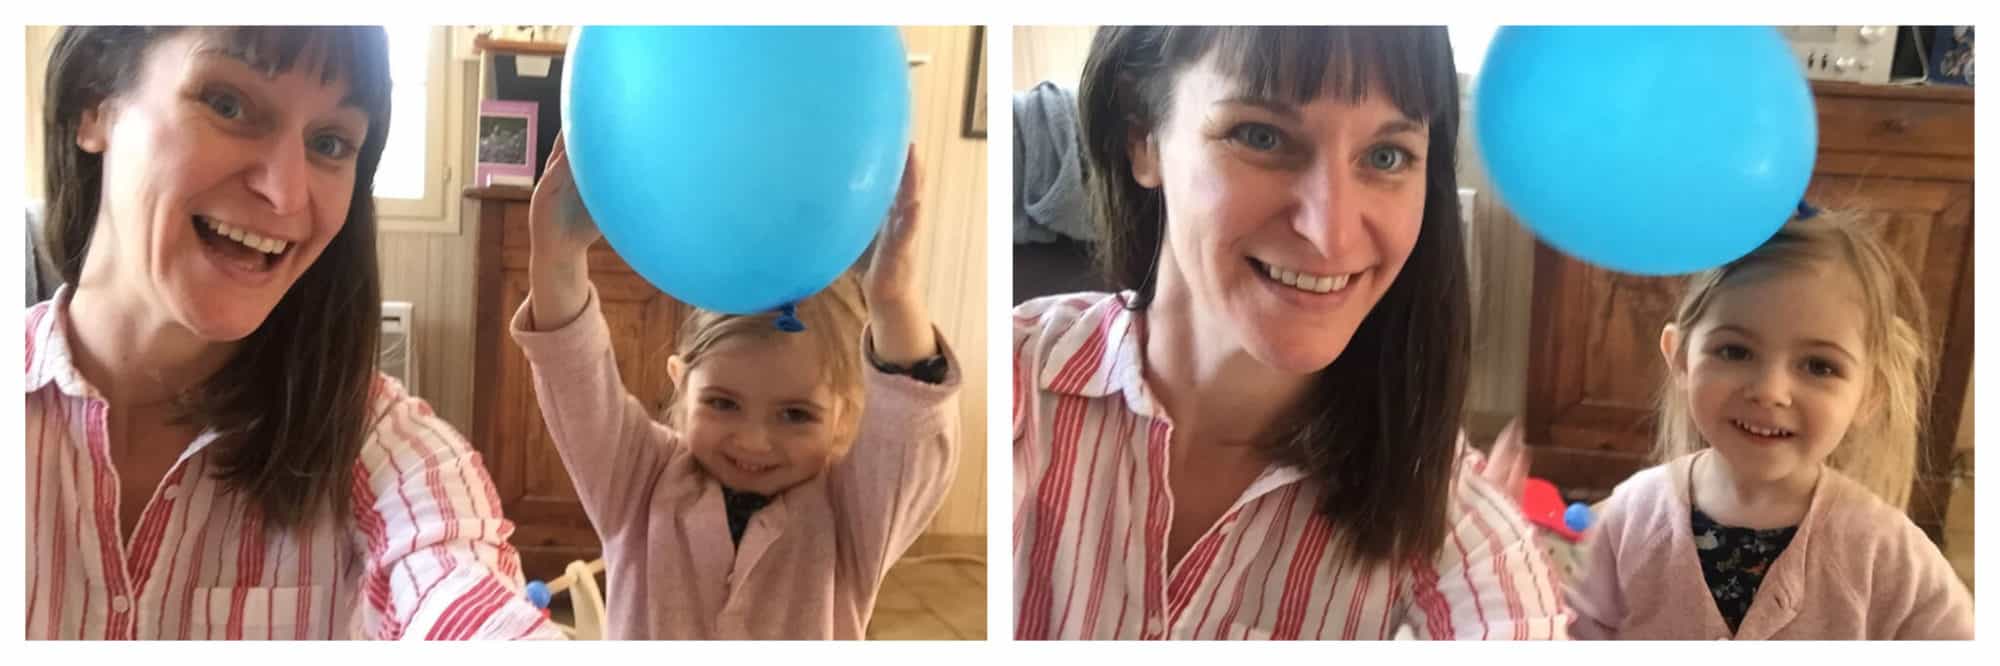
point(1879, 449)
point(833, 319)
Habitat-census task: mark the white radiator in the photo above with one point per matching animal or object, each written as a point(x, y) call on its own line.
point(399, 349)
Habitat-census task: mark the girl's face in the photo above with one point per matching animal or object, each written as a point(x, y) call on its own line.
point(1775, 371)
point(222, 184)
point(755, 416)
point(1286, 223)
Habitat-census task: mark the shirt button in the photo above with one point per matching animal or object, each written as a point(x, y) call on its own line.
point(121, 604)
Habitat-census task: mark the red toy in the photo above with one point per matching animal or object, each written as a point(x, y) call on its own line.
point(1545, 508)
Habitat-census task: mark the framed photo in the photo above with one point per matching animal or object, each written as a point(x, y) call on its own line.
point(1951, 55)
point(506, 144)
point(975, 94)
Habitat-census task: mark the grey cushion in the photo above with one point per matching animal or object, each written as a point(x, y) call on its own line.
point(41, 284)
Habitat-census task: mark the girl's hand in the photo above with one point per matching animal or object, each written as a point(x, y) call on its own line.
point(1507, 465)
point(900, 326)
point(892, 270)
point(561, 228)
point(560, 232)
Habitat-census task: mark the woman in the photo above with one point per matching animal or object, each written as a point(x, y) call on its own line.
point(211, 452)
point(1257, 437)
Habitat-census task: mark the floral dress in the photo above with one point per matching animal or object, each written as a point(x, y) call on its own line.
point(1734, 560)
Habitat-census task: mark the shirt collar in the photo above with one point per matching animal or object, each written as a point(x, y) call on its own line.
point(48, 353)
point(1098, 355)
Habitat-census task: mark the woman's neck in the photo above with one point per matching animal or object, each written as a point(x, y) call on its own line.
point(130, 354)
point(1731, 499)
point(1216, 394)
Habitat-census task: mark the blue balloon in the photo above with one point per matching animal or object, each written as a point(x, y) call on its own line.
point(738, 169)
point(1647, 150)
point(538, 593)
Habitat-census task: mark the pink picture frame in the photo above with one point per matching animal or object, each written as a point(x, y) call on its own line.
point(505, 150)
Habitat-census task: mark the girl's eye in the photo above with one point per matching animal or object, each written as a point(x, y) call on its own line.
point(1389, 158)
point(226, 104)
point(1258, 136)
point(1820, 367)
point(799, 416)
point(1732, 352)
point(719, 404)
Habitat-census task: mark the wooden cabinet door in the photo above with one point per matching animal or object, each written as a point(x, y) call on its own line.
point(534, 487)
point(1928, 223)
point(1594, 371)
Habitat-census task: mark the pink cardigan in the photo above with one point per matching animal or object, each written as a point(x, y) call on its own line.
point(1873, 575)
point(811, 561)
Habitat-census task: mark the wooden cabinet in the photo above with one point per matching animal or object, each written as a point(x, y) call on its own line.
point(534, 489)
point(1900, 156)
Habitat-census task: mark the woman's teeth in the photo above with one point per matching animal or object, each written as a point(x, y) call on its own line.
point(248, 238)
point(1303, 281)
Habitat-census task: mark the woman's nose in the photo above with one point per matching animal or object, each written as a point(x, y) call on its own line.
point(280, 176)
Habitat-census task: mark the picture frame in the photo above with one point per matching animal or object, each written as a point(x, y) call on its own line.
point(1950, 57)
point(975, 93)
point(505, 150)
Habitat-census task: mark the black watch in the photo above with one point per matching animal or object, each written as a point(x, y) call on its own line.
point(930, 371)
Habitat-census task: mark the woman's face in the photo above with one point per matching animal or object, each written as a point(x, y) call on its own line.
point(222, 183)
point(1285, 223)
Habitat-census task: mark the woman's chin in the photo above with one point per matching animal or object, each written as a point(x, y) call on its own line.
point(1297, 352)
point(223, 324)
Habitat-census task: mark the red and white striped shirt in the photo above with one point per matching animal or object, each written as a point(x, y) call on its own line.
point(1092, 508)
point(426, 556)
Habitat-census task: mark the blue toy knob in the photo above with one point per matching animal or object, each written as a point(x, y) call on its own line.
point(1577, 516)
point(538, 593)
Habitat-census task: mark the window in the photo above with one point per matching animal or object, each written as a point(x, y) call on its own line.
point(1468, 46)
point(413, 182)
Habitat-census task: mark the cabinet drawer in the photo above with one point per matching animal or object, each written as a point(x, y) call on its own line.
point(1895, 126)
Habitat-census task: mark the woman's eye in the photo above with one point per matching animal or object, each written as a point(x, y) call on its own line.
point(1258, 136)
point(226, 104)
point(331, 146)
point(1389, 158)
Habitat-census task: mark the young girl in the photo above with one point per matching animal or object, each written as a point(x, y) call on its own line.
point(770, 503)
point(1790, 433)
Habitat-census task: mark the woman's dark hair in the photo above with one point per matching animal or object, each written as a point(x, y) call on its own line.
point(1379, 429)
point(292, 406)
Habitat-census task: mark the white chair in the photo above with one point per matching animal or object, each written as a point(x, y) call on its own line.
point(586, 599)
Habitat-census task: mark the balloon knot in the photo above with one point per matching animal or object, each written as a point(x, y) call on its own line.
point(1806, 211)
point(788, 319)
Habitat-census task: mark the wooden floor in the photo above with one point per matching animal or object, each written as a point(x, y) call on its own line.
point(931, 600)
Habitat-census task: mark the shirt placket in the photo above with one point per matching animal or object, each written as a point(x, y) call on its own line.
point(764, 529)
point(1202, 554)
point(121, 622)
point(143, 562)
point(127, 574)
